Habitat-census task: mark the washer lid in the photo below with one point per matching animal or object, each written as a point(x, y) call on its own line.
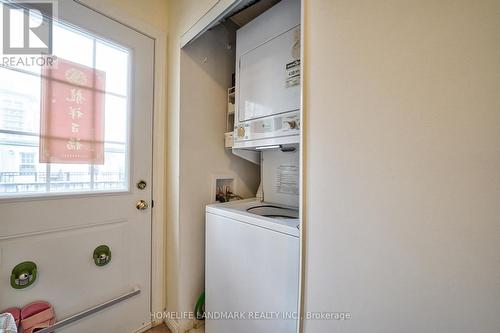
point(238, 211)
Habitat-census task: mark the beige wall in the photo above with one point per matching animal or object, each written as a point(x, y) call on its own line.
point(153, 12)
point(185, 13)
point(402, 136)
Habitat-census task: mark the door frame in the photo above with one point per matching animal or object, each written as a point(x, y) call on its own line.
point(158, 214)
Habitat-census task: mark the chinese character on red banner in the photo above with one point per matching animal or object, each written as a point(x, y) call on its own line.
point(72, 114)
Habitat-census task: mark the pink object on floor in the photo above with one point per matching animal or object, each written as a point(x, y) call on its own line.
point(37, 315)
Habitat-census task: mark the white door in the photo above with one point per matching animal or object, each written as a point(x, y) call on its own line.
point(59, 202)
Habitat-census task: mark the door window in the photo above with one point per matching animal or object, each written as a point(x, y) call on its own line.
point(64, 129)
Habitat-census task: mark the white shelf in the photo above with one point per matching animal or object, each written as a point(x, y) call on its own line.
point(228, 140)
point(230, 112)
point(230, 108)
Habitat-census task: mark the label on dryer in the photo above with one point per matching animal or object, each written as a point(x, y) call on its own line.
point(292, 73)
point(287, 179)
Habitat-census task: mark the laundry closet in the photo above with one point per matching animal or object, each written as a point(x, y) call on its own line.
point(240, 148)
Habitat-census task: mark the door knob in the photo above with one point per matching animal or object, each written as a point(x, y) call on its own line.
point(141, 205)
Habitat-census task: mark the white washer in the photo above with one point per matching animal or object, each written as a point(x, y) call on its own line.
point(252, 268)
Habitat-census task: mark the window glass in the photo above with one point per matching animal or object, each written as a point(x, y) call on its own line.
point(64, 129)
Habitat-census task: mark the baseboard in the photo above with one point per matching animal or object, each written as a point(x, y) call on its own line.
point(144, 328)
point(198, 327)
point(176, 327)
point(172, 325)
point(156, 322)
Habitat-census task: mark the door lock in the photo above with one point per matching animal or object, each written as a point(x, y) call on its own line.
point(141, 184)
point(142, 205)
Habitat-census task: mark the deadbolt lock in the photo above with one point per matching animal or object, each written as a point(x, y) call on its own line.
point(141, 185)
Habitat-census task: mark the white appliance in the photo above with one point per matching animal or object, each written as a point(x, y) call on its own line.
point(252, 268)
point(268, 78)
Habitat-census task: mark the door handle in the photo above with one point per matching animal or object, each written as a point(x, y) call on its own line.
point(142, 205)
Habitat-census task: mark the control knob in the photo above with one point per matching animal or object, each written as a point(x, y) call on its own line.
point(292, 124)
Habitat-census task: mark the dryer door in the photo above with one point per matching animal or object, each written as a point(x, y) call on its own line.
point(269, 77)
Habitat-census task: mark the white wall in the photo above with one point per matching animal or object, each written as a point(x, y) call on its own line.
point(402, 134)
